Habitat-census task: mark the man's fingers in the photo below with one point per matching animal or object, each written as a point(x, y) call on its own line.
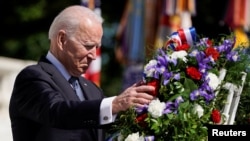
point(145, 88)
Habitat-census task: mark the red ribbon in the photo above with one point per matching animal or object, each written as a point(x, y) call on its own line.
point(182, 36)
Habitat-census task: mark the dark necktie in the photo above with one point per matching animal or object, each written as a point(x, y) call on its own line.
point(75, 84)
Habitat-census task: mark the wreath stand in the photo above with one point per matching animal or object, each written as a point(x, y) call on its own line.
point(233, 98)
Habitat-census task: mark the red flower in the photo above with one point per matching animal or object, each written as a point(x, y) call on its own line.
point(182, 47)
point(216, 117)
point(156, 84)
point(193, 73)
point(213, 52)
point(210, 43)
point(141, 120)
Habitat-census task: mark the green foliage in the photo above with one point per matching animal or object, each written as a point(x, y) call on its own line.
point(243, 112)
point(26, 25)
point(37, 45)
point(31, 12)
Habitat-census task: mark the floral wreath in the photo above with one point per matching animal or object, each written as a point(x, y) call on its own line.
point(186, 73)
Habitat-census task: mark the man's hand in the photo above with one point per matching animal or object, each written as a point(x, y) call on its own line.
point(133, 96)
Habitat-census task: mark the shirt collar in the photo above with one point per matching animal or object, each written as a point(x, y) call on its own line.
point(58, 65)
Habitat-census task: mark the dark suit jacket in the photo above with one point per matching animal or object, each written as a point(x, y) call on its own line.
point(44, 107)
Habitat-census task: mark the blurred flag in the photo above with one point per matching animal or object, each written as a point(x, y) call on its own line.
point(130, 37)
point(94, 71)
point(185, 8)
point(175, 14)
point(135, 31)
point(237, 14)
point(151, 21)
point(238, 19)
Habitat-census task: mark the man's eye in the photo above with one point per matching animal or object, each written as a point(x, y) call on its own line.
point(88, 47)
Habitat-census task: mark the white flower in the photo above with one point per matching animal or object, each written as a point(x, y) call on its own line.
point(120, 137)
point(134, 137)
point(235, 57)
point(194, 53)
point(149, 68)
point(179, 54)
point(198, 109)
point(213, 80)
point(155, 108)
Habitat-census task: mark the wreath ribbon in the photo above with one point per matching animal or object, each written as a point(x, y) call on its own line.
point(187, 35)
point(182, 36)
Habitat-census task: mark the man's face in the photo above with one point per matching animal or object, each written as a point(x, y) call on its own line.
point(80, 49)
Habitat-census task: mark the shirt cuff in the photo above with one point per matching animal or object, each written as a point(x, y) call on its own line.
point(106, 115)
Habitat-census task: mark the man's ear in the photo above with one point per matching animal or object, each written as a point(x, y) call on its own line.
point(61, 38)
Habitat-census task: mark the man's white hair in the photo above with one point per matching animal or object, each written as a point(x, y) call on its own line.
point(69, 20)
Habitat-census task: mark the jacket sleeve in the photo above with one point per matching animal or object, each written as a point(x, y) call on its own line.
point(39, 96)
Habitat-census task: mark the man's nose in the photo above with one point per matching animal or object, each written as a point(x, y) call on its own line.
point(92, 53)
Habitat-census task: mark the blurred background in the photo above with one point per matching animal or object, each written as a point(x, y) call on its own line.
point(132, 30)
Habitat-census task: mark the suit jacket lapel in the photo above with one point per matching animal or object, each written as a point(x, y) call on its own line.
point(86, 89)
point(65, 87)
point(92, 92)
point(62, 84)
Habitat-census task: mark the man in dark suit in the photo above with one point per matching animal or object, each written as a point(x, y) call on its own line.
point(44, 105)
